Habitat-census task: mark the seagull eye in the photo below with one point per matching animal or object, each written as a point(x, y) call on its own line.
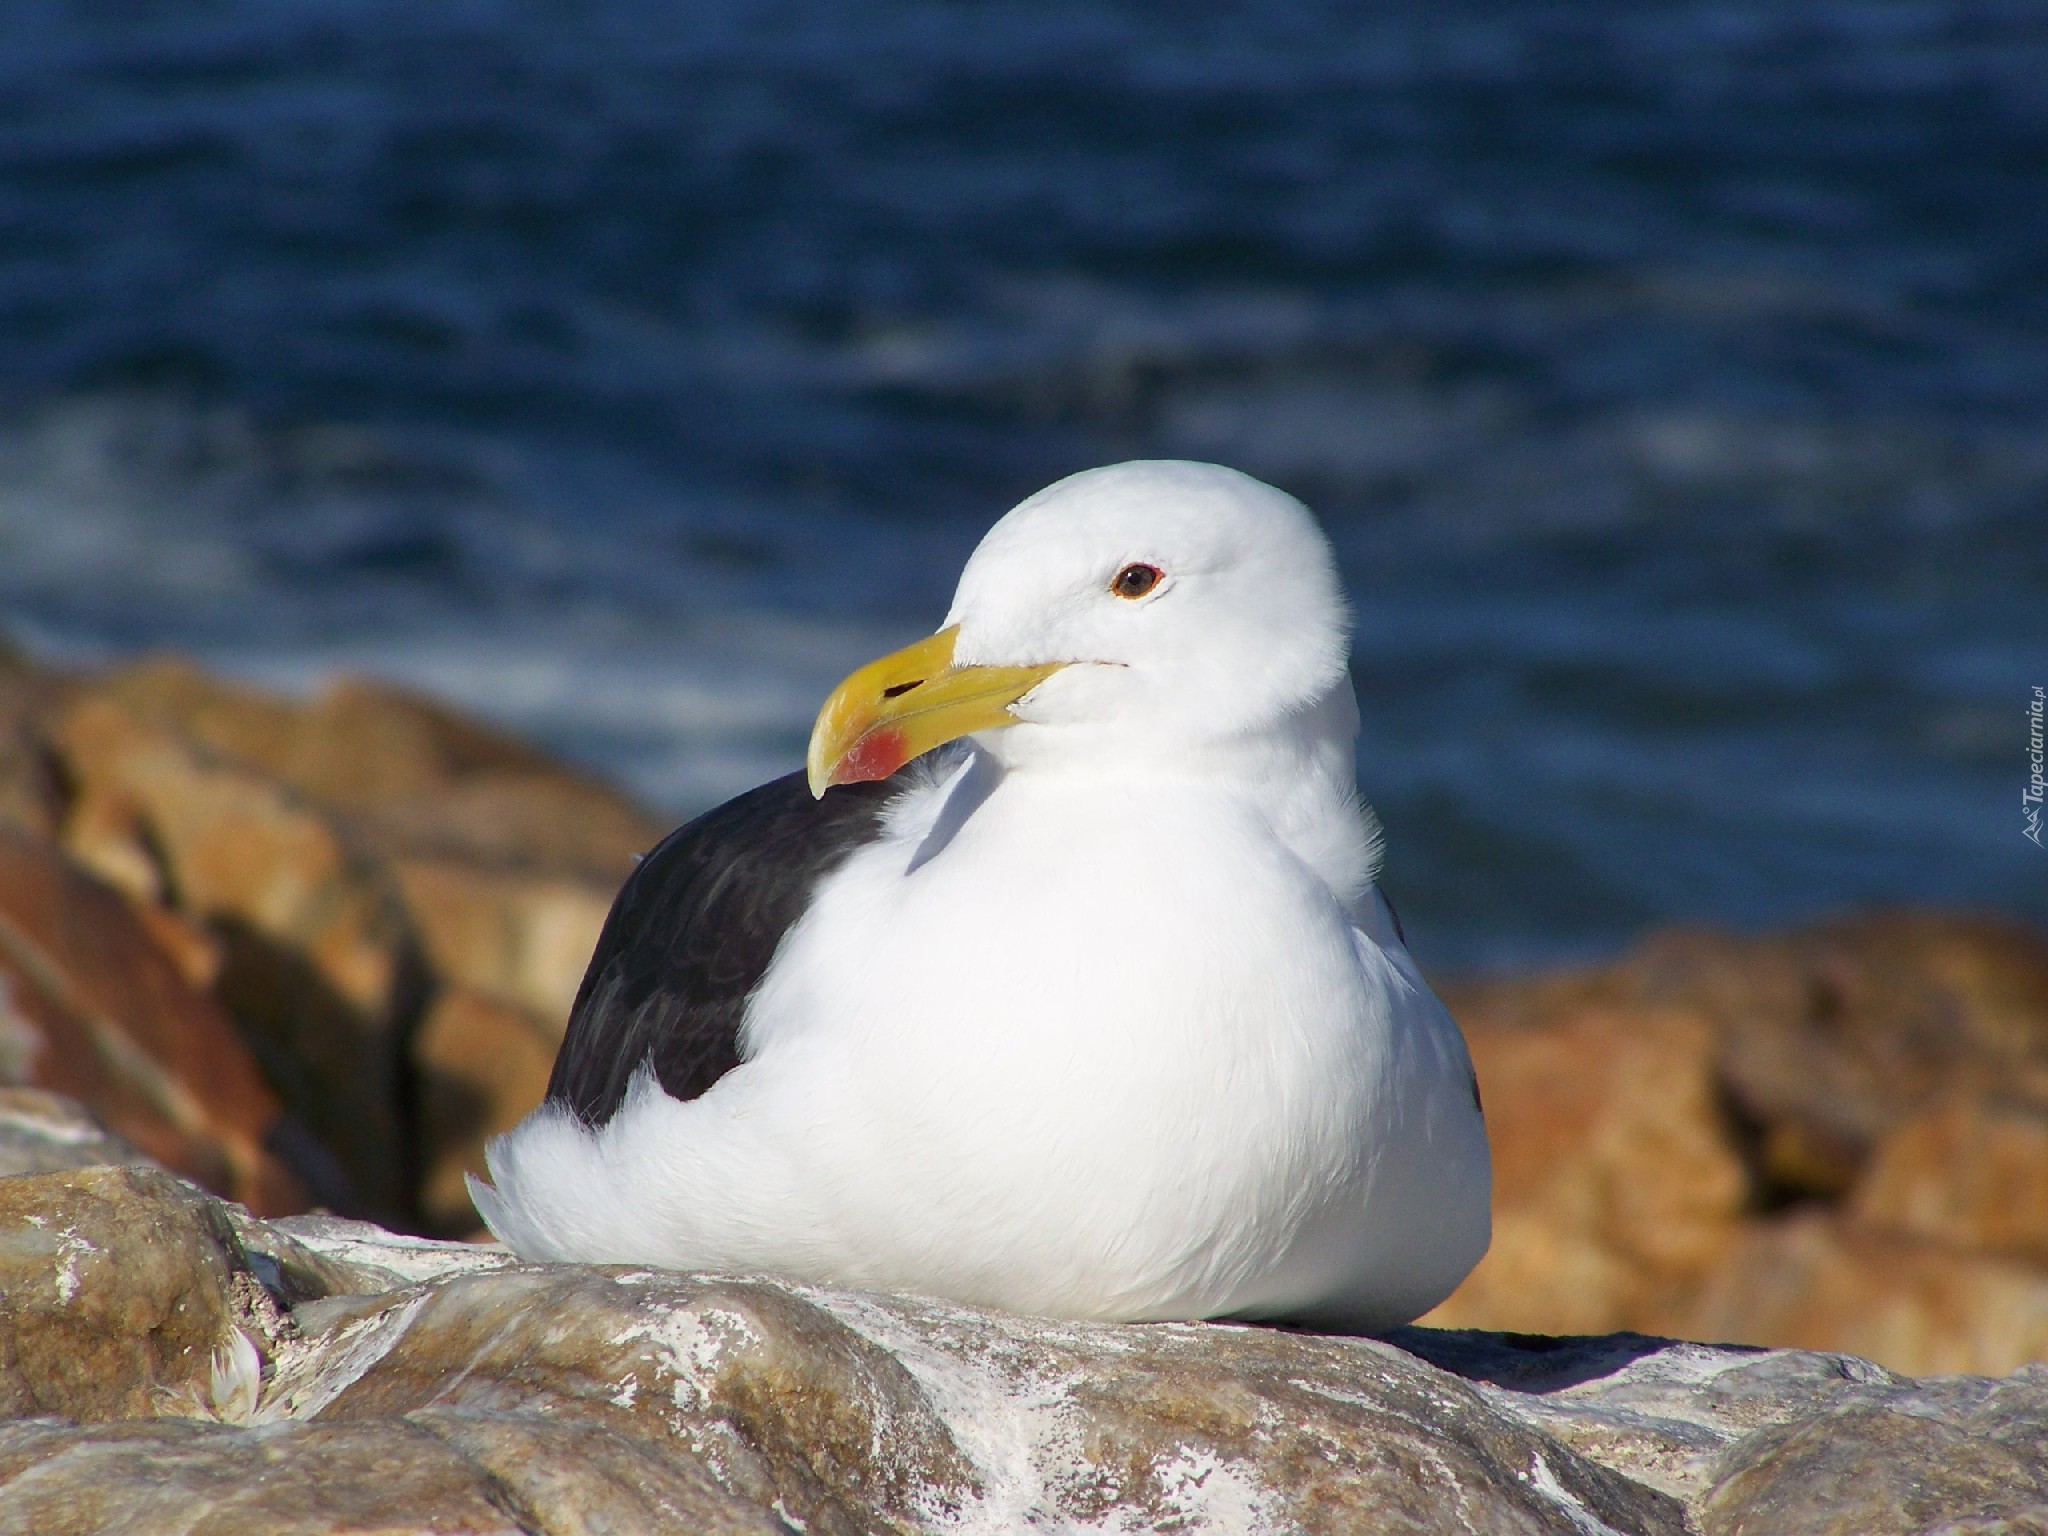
point(1135, 580)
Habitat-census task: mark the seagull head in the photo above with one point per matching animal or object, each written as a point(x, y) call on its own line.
point(1140, 611)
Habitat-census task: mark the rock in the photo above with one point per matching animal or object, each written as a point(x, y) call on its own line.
point(321, 1257)
point(231, 721)
point(1884, 1080)
point(319, 961)
point(31, 790)
point(1969, 1172)
point(1813, 1279)
point(521, 936)
point(198, 955)
point(1955, 1455)
point(1617, 1186)
point(107, 830)
point(326, 869)
point(115, 1296)
point(560, 823)
point(1831, 1033)
point(478, 1068)
point(1783, 1442)
point(394, 1478)
point(417, 776)
point(396, 1384)
point(1827, 1034)
point(778, 1399)
point(43, 1132)
point(1661, 1412)
point(92, 1005)
point(322, 865)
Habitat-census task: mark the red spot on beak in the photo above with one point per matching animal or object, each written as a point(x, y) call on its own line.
point(875, 756)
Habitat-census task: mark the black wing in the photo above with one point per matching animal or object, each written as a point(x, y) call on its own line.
point(692, 932)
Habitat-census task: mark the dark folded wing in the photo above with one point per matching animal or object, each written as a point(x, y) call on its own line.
point(692, 932)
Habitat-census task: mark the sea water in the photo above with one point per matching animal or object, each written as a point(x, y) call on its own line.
point(1672, 377)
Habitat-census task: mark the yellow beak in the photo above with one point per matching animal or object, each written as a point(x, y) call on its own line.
point(905, 704)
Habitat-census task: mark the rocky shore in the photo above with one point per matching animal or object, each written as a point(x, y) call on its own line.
point(309, 954)
point(170, 1362)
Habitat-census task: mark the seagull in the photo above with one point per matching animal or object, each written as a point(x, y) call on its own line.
point(1058, 983)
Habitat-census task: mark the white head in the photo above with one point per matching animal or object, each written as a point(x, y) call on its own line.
point(1149, 609)
point(1201, 604)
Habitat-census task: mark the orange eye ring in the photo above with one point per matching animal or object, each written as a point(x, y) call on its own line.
point(1135, 580)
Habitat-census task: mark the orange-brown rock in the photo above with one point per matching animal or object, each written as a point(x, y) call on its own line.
point(191, 946)
point(324, 865)
point(1970, 1172)
point(478, 1067)
point(92, 1005)
point(1812, 1280)
point(1826, 1034)
point(1831, 1033)
point(107, 829)
point(523, 936)
point(416, 775)
point(31, 794)
point(318, 957)
point(1648, 1117)
point(1617, 1183)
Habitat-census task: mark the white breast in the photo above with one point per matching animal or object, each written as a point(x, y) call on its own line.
point(1152, 1070)
point(1072, 1046)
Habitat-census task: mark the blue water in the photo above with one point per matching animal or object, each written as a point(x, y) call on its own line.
point(1673, 379)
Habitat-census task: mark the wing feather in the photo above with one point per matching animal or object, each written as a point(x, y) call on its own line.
point(692, 932)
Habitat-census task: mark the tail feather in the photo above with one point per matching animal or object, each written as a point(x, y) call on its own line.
point(490, 1205)
point(505, 1200)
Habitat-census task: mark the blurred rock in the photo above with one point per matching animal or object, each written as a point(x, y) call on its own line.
point(325, 867)
point(479, 1067)
point(318, 959)
point(44, 1132)
point(1969, 1172)
point(92, 1005)
point(189, 945)
point(1826, 1034)
point(1826, 1137)
point(319, 1376)
point(520, 936)
point(1832, 1033)
point(1814, 1280)
point(1616, 1185)
point(107, 830)
point(417, 776)
point(31, 791)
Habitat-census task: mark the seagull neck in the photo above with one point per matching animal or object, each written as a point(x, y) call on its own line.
point(1298, 773)
point(1315, 741)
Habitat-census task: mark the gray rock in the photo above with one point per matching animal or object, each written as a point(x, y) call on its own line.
point(431, 1473)
point(1963, 1453)
point(325, 1376)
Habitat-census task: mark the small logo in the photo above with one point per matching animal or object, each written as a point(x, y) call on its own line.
point(2037, 785)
